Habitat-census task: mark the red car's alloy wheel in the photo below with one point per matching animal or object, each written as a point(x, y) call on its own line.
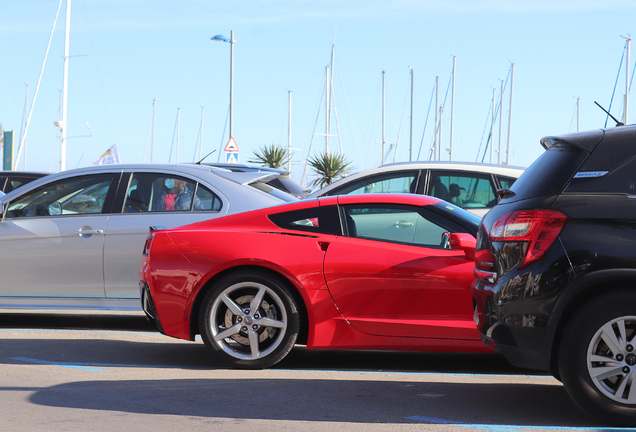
point(249, 320)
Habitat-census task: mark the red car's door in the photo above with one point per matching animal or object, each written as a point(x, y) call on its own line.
point(397, 289)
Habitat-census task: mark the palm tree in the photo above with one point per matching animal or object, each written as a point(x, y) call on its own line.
point(272, 156)
point(329, 167)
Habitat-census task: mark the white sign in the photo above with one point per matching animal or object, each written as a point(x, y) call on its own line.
point(232, 157)
point(231, 146)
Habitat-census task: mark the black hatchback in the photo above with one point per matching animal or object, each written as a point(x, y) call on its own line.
point(556, 270)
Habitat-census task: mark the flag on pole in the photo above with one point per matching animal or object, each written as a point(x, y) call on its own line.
point(110, 156)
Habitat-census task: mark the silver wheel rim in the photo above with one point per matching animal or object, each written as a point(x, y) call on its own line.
point(611, 360)
point(248, 321)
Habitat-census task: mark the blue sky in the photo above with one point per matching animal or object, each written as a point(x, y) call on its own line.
point(127, 53)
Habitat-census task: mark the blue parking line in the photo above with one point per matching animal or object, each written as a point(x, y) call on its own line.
point(82, 366)
point(93, 367)
point(513, 428)
point(12, 330)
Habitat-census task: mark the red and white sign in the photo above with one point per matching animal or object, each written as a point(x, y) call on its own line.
point(231, 146)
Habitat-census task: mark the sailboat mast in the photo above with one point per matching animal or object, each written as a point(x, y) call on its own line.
point(450, 150)
point(152, 136)
point(411, 132)
point(330, 96)
point(327, 111)
point(201, 132)
point(500, 115)
point(512, 86)
point(492, 125)
point(65, 89)
point(383, 124)
point(437, 121)
point(26, 107)
point(629, 40)
point(178, 121)
point(289, 130)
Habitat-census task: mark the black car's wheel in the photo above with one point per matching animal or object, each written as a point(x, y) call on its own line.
point(597, 358)
point(249, 320)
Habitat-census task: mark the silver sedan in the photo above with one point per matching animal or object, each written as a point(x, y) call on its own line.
point(73, 240)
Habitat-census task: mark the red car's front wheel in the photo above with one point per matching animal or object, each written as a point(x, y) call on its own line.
point(249, 320)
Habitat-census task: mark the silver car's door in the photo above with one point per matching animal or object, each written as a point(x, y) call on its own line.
point(52, 240)
point(151, 199)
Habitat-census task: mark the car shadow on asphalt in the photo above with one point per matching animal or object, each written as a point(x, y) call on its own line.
point(325, 400)
point(359, 397)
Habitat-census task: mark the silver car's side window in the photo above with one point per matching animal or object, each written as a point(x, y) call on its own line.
point(159, 193)
point(401, 182)
point(73, 196)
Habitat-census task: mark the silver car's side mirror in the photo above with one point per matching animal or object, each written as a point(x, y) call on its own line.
point(55, 208)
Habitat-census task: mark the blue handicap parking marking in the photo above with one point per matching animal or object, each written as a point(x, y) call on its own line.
point(513, 428)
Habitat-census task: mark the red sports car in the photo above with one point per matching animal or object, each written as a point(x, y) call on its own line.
point(376, 272)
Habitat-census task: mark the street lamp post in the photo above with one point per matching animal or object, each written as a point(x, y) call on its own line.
point(231, 42)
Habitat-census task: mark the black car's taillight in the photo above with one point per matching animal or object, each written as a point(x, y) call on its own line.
point(537, 228)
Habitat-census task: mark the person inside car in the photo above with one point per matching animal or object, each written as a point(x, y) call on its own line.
point(175, 194)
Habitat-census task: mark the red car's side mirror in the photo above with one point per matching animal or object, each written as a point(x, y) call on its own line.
point(465, 242)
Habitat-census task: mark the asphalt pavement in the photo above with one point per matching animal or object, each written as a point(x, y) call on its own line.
point(102, 371)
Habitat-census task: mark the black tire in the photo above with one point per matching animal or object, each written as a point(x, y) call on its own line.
point(244, 334)
point(597, 358)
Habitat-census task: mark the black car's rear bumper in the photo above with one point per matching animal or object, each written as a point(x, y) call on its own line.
point(503, 326)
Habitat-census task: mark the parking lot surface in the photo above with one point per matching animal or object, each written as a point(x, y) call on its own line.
point(101, 371)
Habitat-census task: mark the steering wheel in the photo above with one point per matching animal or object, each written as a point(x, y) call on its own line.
point(42, 210)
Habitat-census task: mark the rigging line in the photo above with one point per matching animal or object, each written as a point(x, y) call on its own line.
point(335, 110)
point(174, 132)
point(95, 60)
point(482, 136)
point(616, 83)
point(148, 135)
point(12, 110)
point(196, 145)
point(406, 97)
point(55, 140)
point(347, 100)
point(426, 122)
point(313, 134)
point(37, 87)
point(24, 114)
point(631, 80)
point(498, 110)
point(227, 116)
point(450, 80)
point(376, 101)
point(572, 121)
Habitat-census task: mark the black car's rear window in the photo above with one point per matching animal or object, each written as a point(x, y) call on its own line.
point(549, 174)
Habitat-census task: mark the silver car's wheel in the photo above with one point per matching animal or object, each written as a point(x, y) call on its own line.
point(249, 320)
point(597, 358)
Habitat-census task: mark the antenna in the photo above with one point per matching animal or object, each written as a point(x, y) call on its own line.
point(607, 112)
point(204, 157)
